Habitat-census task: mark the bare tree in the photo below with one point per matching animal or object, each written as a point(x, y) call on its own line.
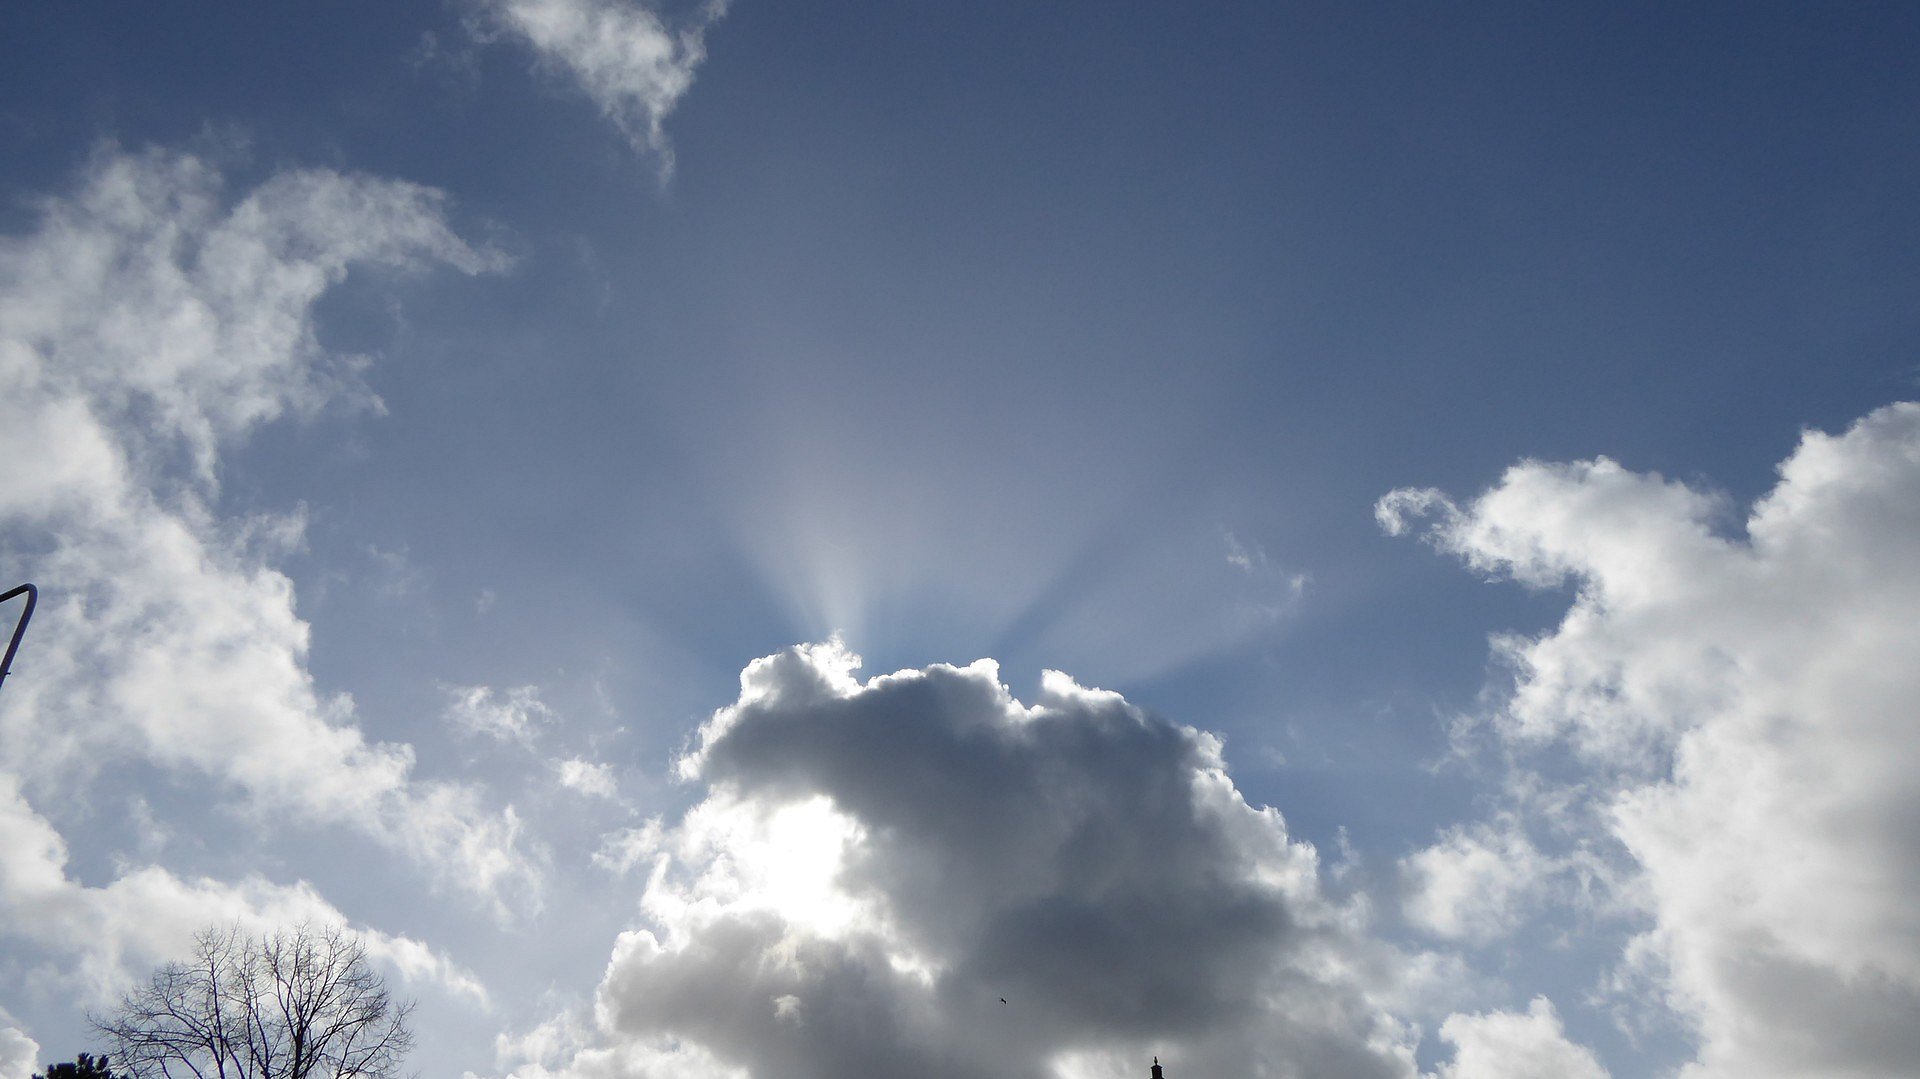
point(298, 1004)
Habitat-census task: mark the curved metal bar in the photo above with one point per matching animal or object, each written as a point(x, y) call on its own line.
point(20, 629)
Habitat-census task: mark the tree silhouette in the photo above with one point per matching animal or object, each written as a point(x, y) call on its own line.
point(298, 1004)
point(87, 1067)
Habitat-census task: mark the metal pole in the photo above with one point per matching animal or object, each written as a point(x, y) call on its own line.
point(20, 628)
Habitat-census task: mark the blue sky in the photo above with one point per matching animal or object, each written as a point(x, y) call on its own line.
point(1473, 435)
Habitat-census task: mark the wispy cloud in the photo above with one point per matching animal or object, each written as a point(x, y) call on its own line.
point(151, 322)
point(623, 55)
point(622, 851)
point(511, 715)
point(590, 778)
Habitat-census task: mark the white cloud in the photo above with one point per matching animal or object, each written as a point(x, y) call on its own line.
point(623, 55)
point(636, 1057)
point(514, 715)
point(589, 778)
point(395, 576)
point(1515, 1045)
point(151, 321)
point(19, 1053)
point(875, 864)
point(551, 1043)
point(145, 916)
point(1473, 883)
point(1742, 711)
point(1249, 559)
point(622, 851)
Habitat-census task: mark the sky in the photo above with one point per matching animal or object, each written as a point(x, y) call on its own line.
point(761, 540)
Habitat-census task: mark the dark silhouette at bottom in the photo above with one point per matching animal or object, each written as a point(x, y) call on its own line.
point(87, 1067)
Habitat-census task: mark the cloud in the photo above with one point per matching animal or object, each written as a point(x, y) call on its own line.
point(1474, 883)
point(623, 851)
point(875, 864)
point(145, 916)
point(1514, 1045)
point(623, 55)
point(19, 1054)
point(589, 778)
point(149, 323)
point(552, 1042)
point(510, 716)
point(1252, 562)
point(1740, 715)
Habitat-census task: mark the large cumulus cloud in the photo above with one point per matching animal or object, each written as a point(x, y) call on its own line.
point(1740, 706)
point(876, 864)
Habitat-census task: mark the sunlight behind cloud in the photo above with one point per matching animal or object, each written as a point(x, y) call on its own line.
point(785, 860)
point(883, 560)
point(875, 864)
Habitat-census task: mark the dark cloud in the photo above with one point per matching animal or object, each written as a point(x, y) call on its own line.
point(1089, 862)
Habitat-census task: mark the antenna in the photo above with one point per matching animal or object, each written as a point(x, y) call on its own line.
point(20, 628)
